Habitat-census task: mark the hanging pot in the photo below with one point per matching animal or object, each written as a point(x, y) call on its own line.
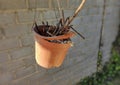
point(50, 54)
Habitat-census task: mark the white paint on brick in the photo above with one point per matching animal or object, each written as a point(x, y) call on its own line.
point(50, 14)
point(12, 66)
point(63, 4)
point(5, 77)
point(14, 30)
point(21, 52)
point(12, 4)
point(27, 40)
point(20, 82)
point(7, 18)
point(24, 72)
point(30, 60)
point(28, 16)
point(9, 43)
point(40, 3)
point(4, 57)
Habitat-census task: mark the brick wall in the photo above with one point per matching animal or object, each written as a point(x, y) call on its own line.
point(17, 62)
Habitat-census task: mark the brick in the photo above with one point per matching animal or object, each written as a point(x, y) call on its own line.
point(59, 80)
point(1, 34)
point(111, 24)
point(21, 52)
point(40, 78)
point(68, 61)
point(92, 29)
point(100, 3)
point(12, 66)
point(15, 30)
point(50, 15)
point(19, 82)
point(7, 18)
point(87, 62)
point(83, 73)
point(9, 43)
point(87, 70)
point(108, 38)
point(45, 79)
point(12, 4)
point(96, 3)
point(40, 69)
point(40, 3)
point(24, 72)
point(36, 82)
point(93, 48)
point(74, 3)
point(30, 26)
point(5, 77)
point(54, 21)
point(63, 4)
point(90, 19)
point(4, 57)
point(76, 21)
point(94, 11)
point(80, 28)
point(27, 40)
point(70, 67)
point(90, 3)
point(111, 2)
point(112, 18)
point(28, 16)
point(68, 13)
point(59, 75)
point(97, 19)
point(112, 10)
point(87, 19)
point(28, 61)
point(35, 76)
point(54, 70)
point(83, 12)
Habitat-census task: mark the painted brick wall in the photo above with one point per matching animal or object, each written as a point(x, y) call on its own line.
point(17, 62)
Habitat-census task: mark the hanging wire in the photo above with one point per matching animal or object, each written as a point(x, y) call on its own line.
point(55, 10)
point(61, 27)
point(74, 15)
point(35, 10)
point(59, 8)
point(35, 13)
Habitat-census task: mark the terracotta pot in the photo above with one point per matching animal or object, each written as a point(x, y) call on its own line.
point(49, 54)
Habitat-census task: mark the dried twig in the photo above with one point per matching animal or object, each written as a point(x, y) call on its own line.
point(62, 27)
point(63, 18)
point(76, 12)
point(77, 32)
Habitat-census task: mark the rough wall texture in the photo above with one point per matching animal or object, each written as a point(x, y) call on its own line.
point(17, 62)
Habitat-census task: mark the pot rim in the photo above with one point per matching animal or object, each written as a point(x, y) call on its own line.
point(65, 36)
